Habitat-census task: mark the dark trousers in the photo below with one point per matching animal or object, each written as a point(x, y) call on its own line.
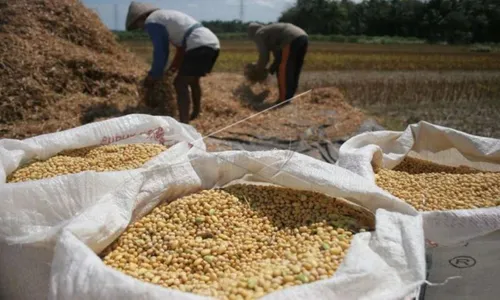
point(288, 64)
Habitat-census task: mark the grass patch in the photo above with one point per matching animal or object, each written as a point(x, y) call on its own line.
point(241, 36)
point(325, 56)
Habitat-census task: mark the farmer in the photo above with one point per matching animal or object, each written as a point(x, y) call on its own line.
point(288, 43)
point(197, 50)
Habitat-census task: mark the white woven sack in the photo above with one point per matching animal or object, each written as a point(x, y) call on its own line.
point(441, 145)
point(386, 264)
point(459, 243)
point(32, 213)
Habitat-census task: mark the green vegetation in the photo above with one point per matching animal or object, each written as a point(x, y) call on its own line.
point(451, 21)
point(436, 21)
point(241, 36)
point(327, 56)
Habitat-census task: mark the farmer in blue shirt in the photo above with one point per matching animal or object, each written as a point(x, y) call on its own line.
point(197, 51)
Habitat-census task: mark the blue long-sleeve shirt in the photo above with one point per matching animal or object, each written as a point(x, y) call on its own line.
point(159, 36)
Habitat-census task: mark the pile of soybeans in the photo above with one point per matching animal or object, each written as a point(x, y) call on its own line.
point(97, 158)
point(432, 187)
point(240, 242)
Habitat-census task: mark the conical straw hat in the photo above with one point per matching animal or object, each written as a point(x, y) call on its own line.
point(136, 10)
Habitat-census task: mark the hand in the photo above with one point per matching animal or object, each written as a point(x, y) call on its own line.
point(194, 115)
point(250, 67)
point(149, 81)
point(261, 70)
point(172, 69)
point(150, 78)
point(273, 69)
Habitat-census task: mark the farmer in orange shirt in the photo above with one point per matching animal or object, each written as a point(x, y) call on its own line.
point(288, 43)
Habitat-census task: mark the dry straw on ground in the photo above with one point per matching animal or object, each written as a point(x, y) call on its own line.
point(321, 114)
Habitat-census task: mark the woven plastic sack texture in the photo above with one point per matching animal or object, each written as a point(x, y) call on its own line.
point(388, 263)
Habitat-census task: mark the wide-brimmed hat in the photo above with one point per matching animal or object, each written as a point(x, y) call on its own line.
point(136, 10)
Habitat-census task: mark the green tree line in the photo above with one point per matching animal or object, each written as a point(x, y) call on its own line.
point(452, 21)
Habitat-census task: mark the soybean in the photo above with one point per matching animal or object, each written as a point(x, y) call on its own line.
point(241, 242)
point(432, 187)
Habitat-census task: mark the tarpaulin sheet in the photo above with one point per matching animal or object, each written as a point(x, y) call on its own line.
point(325, 149)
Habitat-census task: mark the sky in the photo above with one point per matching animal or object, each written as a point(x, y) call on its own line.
point(202, 10)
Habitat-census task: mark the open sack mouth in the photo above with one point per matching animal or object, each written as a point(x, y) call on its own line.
point(103, 158)
point(241, 241)
point(429, 186)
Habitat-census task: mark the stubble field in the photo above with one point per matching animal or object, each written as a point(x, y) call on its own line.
point(398, 84)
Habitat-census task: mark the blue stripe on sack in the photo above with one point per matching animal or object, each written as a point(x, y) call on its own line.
point(188, 33)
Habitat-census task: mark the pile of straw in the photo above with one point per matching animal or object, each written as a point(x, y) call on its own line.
point(58, 61)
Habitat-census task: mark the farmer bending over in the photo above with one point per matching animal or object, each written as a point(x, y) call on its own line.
point(289, 46)
point(197, 49)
